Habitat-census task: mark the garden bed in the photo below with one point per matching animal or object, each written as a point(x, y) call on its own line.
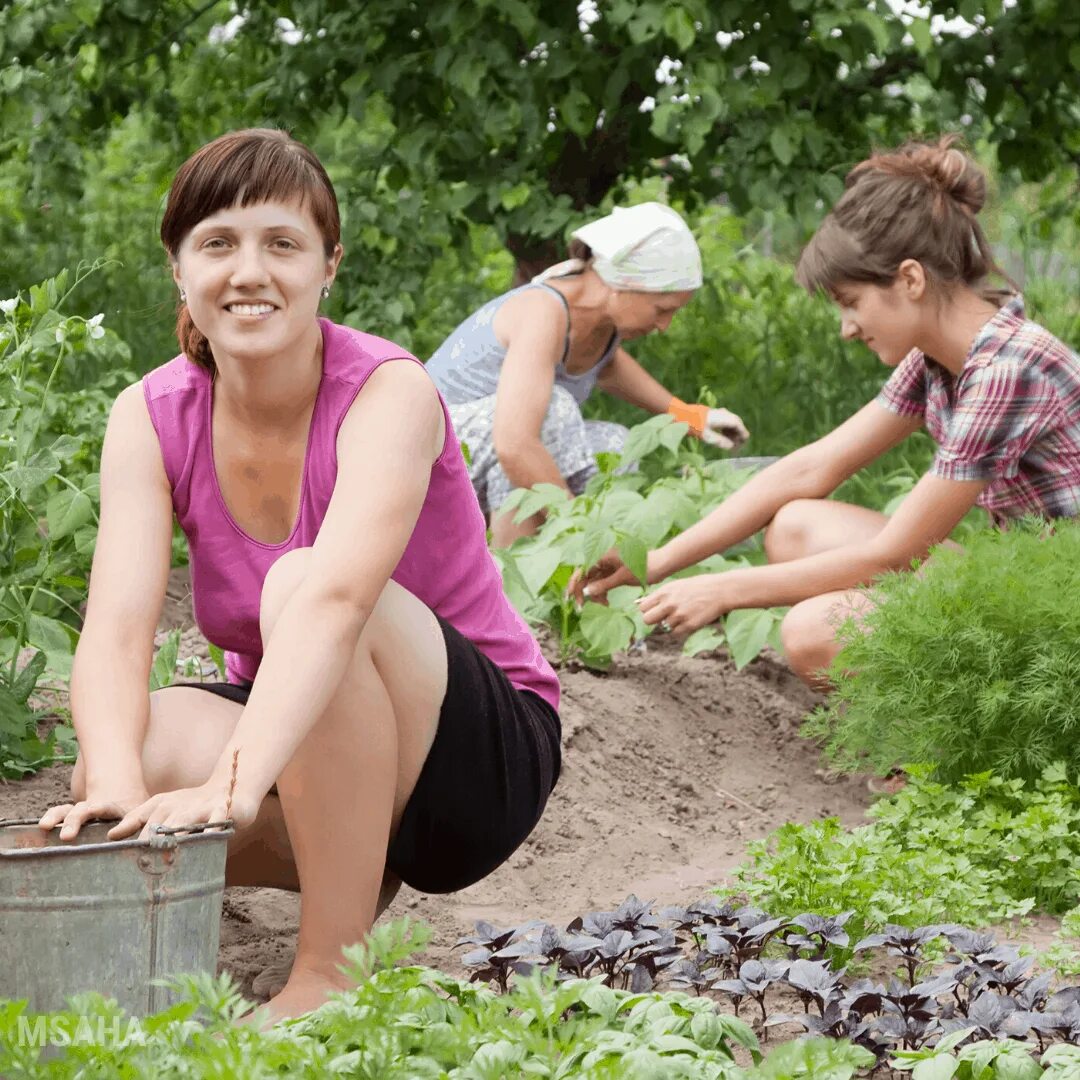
point(671, 764)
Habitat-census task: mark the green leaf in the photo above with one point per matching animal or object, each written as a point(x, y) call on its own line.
point(537, 566)
point(578, 112)
point(26, 479)
point(596, 542)
point(27, 679)
point(607, 631)
point(644, 439)
point(86, 539)
point(538, 497)
point(1016, 1065)
point(876, 25)
point(673, 434)
point(54, 638)
point(938, 1067)
point(679, 26)
point(747, 631)
point(163, 671)
point(15, 719)
point(66, 447)
point(218, 656)
point(635, 554)
point(704, 640)
point(796, 72)
point(67, 511)
point(516, 196)
point(920, 34)
point(783, 145)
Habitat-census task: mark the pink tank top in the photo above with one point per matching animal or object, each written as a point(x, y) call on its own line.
point(446, 562)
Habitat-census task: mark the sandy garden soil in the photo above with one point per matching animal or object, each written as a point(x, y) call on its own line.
point(670, 766)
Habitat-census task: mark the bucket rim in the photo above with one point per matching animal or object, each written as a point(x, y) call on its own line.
point(171, 837)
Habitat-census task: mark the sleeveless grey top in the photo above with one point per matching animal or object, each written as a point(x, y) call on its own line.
point(466, 365)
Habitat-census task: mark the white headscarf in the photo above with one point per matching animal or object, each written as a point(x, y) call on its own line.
point(647, 247)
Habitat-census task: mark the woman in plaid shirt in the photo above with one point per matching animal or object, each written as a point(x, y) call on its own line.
point(905, 260)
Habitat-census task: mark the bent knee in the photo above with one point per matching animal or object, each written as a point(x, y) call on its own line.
point(788, 534)
point(808, 637)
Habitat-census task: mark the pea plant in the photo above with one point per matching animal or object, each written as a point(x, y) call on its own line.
point(654, 489)
point(51, 426)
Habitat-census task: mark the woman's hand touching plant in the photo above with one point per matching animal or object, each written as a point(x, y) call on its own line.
point(596, 581)
point(687, 604)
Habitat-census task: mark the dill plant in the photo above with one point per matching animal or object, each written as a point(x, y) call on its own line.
point(971, 665)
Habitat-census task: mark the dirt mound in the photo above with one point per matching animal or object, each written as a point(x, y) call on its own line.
point(671, 764)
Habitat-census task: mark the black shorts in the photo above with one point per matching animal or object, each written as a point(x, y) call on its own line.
point(486, 781)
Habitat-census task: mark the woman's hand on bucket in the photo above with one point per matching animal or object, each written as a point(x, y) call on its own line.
point(187, 806)
point(72, 816)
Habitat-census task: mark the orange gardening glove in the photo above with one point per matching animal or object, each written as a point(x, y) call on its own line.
point(697, 416)
point(718, 427)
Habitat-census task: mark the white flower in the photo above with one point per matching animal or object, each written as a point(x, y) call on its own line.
point(8, 306)
point(94, 327)
point(61, 334)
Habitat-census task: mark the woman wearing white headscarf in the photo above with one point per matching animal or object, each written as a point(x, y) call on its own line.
point(515, 373)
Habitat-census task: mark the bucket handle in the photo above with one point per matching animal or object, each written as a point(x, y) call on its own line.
point(164, 837)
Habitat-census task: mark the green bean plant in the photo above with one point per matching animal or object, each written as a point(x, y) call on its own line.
point(657, 487)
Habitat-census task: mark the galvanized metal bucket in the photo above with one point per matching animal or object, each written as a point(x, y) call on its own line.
point(110, 916)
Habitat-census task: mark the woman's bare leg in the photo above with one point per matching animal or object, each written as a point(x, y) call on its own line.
point(807, 527)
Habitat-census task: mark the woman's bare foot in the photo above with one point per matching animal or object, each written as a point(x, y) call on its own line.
point(304, 992)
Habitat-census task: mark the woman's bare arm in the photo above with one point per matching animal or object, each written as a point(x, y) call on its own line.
point(109, 698)
point(532, 325)
point(811, 472)
point(627, 380)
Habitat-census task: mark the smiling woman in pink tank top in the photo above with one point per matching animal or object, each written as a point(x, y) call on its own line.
point(388, 716)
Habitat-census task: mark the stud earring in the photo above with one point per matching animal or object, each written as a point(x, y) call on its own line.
point(325, 292)
point(183, 296)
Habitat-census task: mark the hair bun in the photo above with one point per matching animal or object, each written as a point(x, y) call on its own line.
point(942, 164)
point(953, 171)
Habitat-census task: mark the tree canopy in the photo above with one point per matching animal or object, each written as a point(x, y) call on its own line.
point(525, 114)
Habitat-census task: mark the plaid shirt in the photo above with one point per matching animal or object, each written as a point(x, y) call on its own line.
point(1012, 416)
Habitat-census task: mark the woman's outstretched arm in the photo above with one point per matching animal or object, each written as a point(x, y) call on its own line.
point(627, 380)
point(811, 472)
point(926, 517)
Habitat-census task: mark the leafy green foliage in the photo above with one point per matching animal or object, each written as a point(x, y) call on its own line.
point(400, 1022)
point(969, 665)
point(521, 115)
point(51, 427)
point(670, 488)
point(982, 851)
point(1064, 955)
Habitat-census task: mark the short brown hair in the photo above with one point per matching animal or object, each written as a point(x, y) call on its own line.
point(916, 202)
point(243, 168)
